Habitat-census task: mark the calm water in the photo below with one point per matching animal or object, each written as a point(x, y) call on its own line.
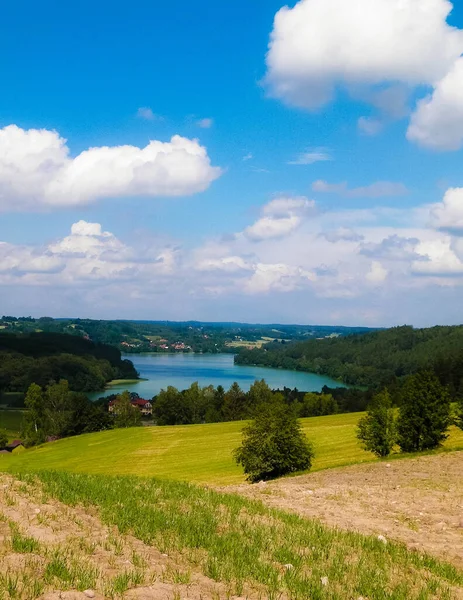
point(181, 370)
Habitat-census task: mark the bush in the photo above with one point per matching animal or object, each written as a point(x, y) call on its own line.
point(273, 443)
point(424, 413)
point(377, 430)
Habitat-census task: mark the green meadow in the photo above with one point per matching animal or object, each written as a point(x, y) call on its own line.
point(10, 420)
point(196, 453)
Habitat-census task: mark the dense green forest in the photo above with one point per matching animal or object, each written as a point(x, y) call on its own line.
point(168, 336)
point(375, 359)
point(43, 357)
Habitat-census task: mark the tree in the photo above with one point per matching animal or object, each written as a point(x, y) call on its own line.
point(126, 415)
point(3, 438)
point(234, 404)
point(317, 405)
point(459, 417)
point(273, 443)
point(377, 430)
point(34, 425)
point(424, 413)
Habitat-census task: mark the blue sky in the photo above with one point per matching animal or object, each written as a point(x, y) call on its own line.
point(320, 182)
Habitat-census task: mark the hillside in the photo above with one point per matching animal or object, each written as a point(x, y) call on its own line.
point(171, 336)
point(198, 453)
point(44, 357)
point(73, 537)
point(372, 359)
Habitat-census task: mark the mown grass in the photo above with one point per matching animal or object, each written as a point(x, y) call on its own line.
point(11, 421)
point(251, 549)
point(197, 453)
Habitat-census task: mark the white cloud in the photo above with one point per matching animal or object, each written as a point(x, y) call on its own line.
point(438, 260)
point(379, 189)
point(378, 51)
point(343, 234)
point(438, 120)
point(248, 156)
point(206, 123)
point(377, 273)
point(36, 170)
point(320, 43)
point(278, 277)
point(280, 217)
point(311, 156)
point(229, 264)
point(145, 112)
point(448, 215)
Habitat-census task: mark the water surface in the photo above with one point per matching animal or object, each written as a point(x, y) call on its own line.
point(181, 370)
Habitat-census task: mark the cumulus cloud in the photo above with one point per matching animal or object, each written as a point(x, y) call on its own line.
point(379, 189)
point(278, 277)
point(37, 171)
point(377, 273)
point(311, 156)
point(438, 260)
point(394, 247)
point(438, 120)
point(378, 51)
point(448, 214)
point(229, 264)
point(280, 217)
point(343, 234)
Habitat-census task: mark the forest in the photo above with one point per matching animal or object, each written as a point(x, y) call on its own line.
point(44, 357)
point(375, 359)
point(167, 336)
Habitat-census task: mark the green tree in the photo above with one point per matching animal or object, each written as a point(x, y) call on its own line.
point(3, 438)
point(126, 415)
point(34, 425)
point(234, 404)
point(377, 431)
point(170, 407)
point(273, 443)
point(424, 413)
point(57, 400)
point(317, 405)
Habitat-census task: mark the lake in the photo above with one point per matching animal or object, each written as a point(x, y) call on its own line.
point(181, 370)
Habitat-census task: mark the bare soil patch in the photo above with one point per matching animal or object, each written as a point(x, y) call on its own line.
point(416, 501)
point(71, 547)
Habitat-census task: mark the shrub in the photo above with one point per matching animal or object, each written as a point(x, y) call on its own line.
point(273, 443)
point(424, 413)
point(377, 430)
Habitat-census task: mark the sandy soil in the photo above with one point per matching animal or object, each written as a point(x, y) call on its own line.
point(416, 501)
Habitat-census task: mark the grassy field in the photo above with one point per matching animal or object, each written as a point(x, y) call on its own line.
point(238, 546)
point(197, 453)
point(11, 421)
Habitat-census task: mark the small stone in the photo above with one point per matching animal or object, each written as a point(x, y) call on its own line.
point(324, 580)
point(164, 555)
point(37, 511)
point(382, 539)
point(89, 593)
point(288, 567)
point(388, 466)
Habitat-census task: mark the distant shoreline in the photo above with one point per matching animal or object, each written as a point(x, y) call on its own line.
point(115, 382)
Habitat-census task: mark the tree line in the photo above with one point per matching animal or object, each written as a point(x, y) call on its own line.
point(376, 359)
point(273, 443)
point(43, 357)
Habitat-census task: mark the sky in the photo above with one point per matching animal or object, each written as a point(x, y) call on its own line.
point(233, 161)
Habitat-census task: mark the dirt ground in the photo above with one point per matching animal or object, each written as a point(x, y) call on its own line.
point(416, 501)
point(77, 536)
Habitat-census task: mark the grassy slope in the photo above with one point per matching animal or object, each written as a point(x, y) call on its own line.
point(11, 421)
point(199, 453)
point(246, 546)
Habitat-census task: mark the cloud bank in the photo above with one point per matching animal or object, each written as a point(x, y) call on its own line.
point(37, 170)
